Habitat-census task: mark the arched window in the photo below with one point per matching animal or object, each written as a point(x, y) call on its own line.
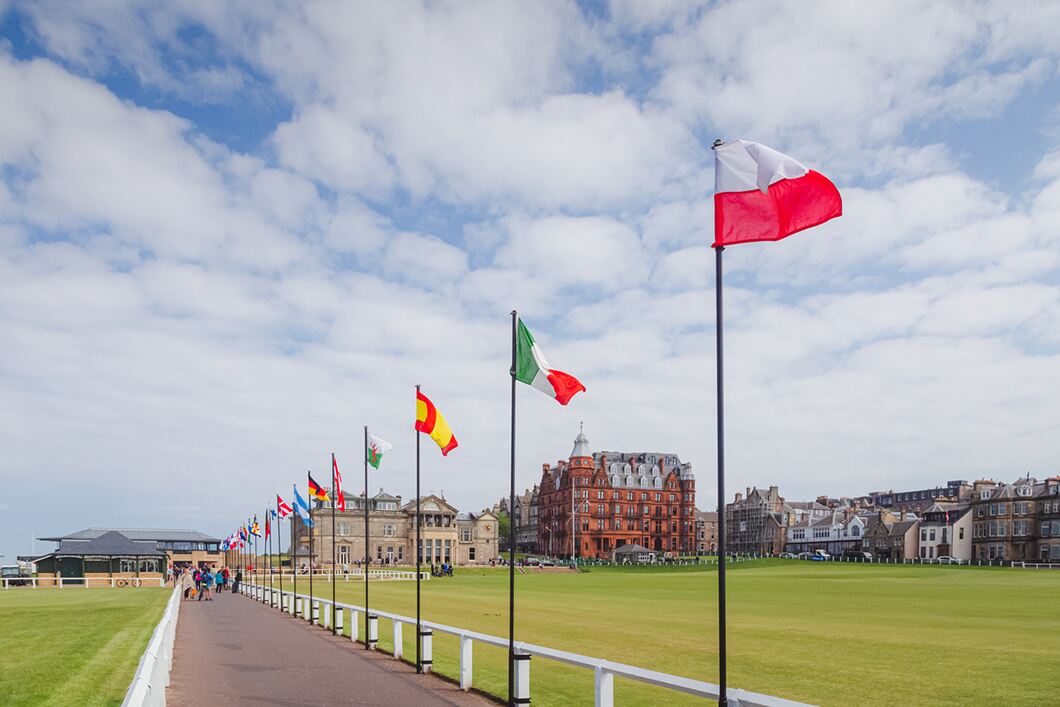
point(616, 481)
point(658, 482)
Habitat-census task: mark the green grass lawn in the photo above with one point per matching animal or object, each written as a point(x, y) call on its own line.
point(73, 646)
point(835, 634)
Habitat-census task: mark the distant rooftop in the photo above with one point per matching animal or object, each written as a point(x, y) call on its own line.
point(139, 534)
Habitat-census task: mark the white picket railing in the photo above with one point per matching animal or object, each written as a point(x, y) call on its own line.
point(354, 574)
point(148, 686)
point(315, 610)
point(83, 582)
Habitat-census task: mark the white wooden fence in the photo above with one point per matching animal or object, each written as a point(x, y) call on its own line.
point(148, 686)
point(321, 611)
point(83, 582)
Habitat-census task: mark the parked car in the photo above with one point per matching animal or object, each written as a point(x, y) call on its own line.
point(947, 560)
point(821, 554)
point(787, 556)
point(548, 562)
point(804, 555)
point(15, 576)
point(857, 556)
point(818, 558)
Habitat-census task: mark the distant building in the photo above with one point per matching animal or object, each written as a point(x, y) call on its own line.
point(706, 532)
point(392, 533)
point(180, 546)
point(756, 523)
point(946, 531)
point(97, 560)
point(919, 500)
point(1049, 521)
point(892, 536)
point(526, 510)
point(1004, 519)
point(594, 503)
point(836, 532)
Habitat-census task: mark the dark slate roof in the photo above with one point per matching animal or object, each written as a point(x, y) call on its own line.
point(110, 543)
point(149, 534)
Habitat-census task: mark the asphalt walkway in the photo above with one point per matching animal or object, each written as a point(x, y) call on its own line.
point(236, 651)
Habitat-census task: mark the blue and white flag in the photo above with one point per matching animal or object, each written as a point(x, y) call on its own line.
point(302, 508)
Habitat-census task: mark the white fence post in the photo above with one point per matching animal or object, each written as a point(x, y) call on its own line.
point(354, 624)
point(372, 630)
point(466, 645)
point(521, 688)
point(426, 657)
point(338, 620)
point(605, 687)
point(398, 643)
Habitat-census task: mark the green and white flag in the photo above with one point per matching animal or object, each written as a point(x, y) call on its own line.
point(377, 447)
point(532, 368)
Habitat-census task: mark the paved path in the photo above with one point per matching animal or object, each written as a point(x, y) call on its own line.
point(236, 651)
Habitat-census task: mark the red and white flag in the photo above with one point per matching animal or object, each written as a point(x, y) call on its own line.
point(340, 497)
point(764, 195)
point(282, 507)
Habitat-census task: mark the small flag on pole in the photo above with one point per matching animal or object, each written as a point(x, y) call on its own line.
point(316, 490)
point(268, 529)
point(302, 508)
point(377, 447)
point(532, 368)
point(255, 529)
point(432, 423)
point(340, 497)
point(283, 507)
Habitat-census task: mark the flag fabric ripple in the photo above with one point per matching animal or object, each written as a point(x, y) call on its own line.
point(764, 195)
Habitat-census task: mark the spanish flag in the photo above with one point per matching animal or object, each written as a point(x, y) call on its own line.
point(430, 422)
point(316, 490)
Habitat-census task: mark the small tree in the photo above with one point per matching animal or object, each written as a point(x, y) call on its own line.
point(504, 529)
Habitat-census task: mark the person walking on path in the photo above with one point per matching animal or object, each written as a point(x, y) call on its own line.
point(239, 580)
point(187, 582)
point(207, 582)
point(219, 579)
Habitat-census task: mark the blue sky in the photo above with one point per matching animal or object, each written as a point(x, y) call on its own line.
point(232, 235)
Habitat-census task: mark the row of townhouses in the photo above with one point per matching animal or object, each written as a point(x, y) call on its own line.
point(984, 520)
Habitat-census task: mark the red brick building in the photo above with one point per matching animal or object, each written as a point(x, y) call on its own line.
point(646, 498)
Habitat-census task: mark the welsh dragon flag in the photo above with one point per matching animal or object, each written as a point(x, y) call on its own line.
point(377, 447)
point(532, 368)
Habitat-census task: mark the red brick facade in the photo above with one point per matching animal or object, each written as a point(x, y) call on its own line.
point(645, 498)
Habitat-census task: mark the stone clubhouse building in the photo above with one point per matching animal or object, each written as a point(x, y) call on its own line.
point(447, 535)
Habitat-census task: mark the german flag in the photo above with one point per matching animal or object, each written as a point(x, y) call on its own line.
point(316, 490)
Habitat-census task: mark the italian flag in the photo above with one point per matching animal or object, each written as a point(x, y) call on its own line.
point(377, 446)
point(532, 368)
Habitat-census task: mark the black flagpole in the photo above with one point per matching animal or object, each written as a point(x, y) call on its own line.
point(268, 551)
point(511, 533)
point(312, 522)
point(722, 699)
point(257, 575)
point(419, 545)
point(334, 502)
point(294, 561)
point(366, 611)
point(279, 550)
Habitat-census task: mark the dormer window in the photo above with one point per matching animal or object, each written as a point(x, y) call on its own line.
point(1024, 491)
point(984, 495)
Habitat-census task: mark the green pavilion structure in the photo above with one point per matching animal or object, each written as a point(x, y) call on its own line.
point(111, 559)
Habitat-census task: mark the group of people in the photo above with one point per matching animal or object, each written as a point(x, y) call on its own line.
point(206, 581)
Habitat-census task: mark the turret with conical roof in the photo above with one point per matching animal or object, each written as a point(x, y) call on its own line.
point(581, 444)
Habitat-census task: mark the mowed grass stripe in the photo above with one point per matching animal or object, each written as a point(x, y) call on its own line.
point(831, 634)
point(73, 646)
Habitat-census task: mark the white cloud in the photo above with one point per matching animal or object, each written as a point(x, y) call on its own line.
point(236, 315)
point(568, 252)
